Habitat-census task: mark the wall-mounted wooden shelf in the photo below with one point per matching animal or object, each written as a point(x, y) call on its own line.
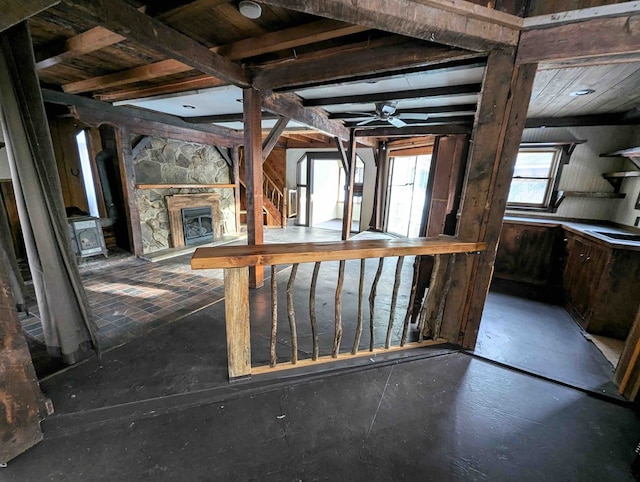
point(184, 186)
point(616, 178)
point(562, 195)
point(633, 154)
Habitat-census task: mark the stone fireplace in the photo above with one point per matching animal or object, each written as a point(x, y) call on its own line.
point(177, 203)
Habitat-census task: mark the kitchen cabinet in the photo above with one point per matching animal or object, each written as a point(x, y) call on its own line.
point(529, 253)
point(601, 285)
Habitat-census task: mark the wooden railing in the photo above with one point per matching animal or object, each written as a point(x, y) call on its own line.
point(236, 260)
point(276, 197)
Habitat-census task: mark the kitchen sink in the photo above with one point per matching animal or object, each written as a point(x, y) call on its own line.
point(620, 236)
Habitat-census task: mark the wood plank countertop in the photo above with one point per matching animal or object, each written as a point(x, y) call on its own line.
point(287, 253)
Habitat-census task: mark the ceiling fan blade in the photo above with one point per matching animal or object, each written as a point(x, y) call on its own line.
point(416, 116)
point(365, 122)
point(396, 122)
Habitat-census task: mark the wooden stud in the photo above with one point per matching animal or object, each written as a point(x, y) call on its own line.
point(394, 301)
point(236, 308)
point(312, 310)
point(274, 316)
point(338, 312)
point(356, 339)
point(292, 315)
point(128, 179)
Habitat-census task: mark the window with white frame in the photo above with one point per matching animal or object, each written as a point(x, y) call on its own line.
point(534, 178)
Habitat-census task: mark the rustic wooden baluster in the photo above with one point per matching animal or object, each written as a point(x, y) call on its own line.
point(292, 315)
point(338, 325)
point(356, 340)
point(312, 310)
point(394, 301)
point(412, 300)
point(274, 315)
point(372, 300)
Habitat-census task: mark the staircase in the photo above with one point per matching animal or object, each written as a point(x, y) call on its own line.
point(274, 201)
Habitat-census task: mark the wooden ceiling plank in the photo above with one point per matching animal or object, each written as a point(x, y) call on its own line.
point(289, 105)
point(270, 42)
point(344, 64)
point(15, 12)
point(84, 43)
point(189, 10)
point(387, 96)
point(319, 31)
point(580, 15)
point(616, 119)
point(119, 17)
point(218, 118)
point(583, 40)
point(144, 121)
point(434, 20)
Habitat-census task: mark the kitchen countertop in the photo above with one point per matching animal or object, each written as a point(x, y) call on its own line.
point(594, 231)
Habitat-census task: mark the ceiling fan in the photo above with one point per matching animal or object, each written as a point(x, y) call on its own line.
point(386, 111)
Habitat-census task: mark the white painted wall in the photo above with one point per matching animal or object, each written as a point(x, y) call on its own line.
point(324, 201)
point(584, 171)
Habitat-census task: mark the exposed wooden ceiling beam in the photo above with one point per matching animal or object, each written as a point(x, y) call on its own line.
point(368, 58)
point(272, 138)
point(194, 83)
point(388, 96)
point(270, 42)
point(289, 105)
point(144, 121)
point(469, 27)
point(119, 17)
point(617, 119)
point(456, 119)
point(411, 131)
point(216, 119)
point(619, 36)
point(15, 12)
point(86, 42)
point(580, 15)
point(418, 110)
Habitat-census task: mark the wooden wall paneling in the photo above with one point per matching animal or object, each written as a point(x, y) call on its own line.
point(276, 167)
point(128, 180)
point(68, 161)
point(252, 104)
point(496, 139)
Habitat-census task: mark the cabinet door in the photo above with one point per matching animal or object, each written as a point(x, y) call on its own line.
point(576, 290)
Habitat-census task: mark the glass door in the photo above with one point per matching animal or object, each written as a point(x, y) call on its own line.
point(406, 193)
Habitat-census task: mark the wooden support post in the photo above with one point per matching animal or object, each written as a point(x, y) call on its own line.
point(496, 137)
point(236, 309)
point(128, 178)
point(20, 396)
point(252, 105)
point(382, 167)
point(348, 194)
point(235, 161)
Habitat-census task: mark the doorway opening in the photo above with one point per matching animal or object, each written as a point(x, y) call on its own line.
point(406, 194)
point(320, 183)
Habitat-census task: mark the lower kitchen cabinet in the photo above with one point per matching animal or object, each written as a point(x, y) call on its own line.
point(601, 285)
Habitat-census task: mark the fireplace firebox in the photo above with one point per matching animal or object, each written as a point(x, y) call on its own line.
point(197, 223)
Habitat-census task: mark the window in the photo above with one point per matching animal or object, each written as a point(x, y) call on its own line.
point(533, 178)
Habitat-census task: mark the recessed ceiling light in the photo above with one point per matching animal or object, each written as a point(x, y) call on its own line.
point(188, 106)
point(250, 9)
point(578, 93)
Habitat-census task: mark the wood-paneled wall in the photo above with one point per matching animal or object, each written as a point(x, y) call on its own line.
point(63, 132)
